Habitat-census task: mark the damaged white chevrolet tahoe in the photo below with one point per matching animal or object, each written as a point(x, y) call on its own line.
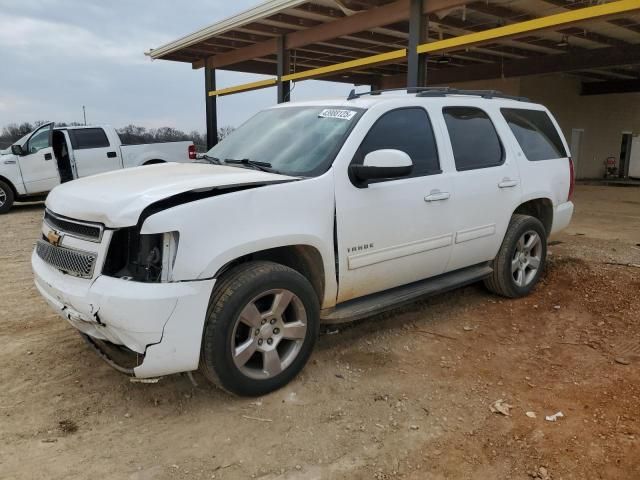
point(309, 212)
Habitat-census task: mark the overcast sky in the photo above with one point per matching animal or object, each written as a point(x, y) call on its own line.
point(57, 55)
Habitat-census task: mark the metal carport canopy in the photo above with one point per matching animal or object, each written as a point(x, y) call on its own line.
point(378, 42)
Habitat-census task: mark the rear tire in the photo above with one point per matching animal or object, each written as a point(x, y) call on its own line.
point(6, 197)
point(521, 258)
point(261, 326)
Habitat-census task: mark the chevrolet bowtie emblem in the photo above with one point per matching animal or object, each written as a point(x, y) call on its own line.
point(54, 238)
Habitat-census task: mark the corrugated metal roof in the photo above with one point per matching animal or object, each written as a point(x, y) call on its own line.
point(263, 10)
point(246, 42)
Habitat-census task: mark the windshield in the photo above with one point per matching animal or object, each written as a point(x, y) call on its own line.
point(298, 141)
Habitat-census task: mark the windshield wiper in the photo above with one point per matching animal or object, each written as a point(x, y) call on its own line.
point(210, 159)
point(262, 166)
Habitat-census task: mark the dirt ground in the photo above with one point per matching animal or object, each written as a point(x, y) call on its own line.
point(403, 395)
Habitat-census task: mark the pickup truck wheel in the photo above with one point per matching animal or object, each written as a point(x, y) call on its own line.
point(521, 258)
point(261, 326)
point(6, 197)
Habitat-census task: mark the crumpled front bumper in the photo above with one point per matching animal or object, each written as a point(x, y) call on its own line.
point(163, 321)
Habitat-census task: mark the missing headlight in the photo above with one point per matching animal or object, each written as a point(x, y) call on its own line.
point(141, 258)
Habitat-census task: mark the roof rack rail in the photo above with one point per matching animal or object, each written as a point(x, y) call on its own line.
point(439, 92)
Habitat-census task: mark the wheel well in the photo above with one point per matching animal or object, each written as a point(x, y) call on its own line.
point(540, 208)
point(304, 259)
point(153, 162)
point(11, 186)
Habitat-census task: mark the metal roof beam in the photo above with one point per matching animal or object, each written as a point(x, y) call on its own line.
point(543, 23)
point(597, 58)
point(246, 87)
point(351, 65)
point(626, 23)
point(566, 62)
point(375, 17)
point(607, 40)
point(503, 13)
point(261, 11)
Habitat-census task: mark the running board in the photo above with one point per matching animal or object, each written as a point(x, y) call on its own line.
point(395, 297)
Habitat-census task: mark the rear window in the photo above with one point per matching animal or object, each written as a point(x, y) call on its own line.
point(535, 132)
point(474, 139)
point(88, 138)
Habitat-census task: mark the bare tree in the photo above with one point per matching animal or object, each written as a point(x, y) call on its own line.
point(225, 131)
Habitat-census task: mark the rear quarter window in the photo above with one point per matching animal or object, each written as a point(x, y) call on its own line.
point(535, 132)
point(88, 138)
point(474, 139)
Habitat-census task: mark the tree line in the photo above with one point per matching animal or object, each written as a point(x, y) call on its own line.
point(130, 134)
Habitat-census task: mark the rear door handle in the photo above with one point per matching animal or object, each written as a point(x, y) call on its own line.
point(507, 183)
point(47, 156)
point(437, 196)
point(112, 154)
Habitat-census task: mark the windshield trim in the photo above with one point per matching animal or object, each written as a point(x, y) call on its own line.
point(327, 163)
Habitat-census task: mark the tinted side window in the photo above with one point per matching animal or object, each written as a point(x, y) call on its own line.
point(535, 133)
point(474, 139)
point(89, 138)
point(408, 130)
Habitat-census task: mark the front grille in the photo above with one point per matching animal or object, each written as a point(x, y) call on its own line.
point(74, 228)
point(69, 261)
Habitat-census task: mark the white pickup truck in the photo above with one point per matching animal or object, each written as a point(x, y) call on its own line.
point(49, 156)
point(310, 212)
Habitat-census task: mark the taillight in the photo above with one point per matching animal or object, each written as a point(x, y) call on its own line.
point(192, 152)
point(572, 180)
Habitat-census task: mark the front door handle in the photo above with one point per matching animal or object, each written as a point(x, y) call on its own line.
point(112, 154)
point(47, 156)
point(507, 183)
point(436, 196)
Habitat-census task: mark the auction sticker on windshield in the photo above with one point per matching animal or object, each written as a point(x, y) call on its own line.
point(336, 113)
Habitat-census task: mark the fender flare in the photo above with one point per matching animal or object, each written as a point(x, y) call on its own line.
point(153, 161)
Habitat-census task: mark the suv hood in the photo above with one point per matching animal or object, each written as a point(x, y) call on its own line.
point(116, 199)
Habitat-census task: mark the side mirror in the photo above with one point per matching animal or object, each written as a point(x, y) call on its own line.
point(381, 164)
point(17, 150)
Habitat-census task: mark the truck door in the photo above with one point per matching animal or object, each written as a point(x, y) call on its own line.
point(486, 185)
point(92, 151)
point(394, 231)
point(38, 165)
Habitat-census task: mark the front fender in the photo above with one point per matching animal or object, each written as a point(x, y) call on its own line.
point(215, 231)
point(237, 251)
point(10, 173)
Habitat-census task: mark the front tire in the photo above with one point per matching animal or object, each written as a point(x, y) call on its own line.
point(261, 326)
point(6, 197)
point(521, 258)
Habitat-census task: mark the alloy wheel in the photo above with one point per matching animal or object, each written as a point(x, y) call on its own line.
point(268, 334)
point(527, 258)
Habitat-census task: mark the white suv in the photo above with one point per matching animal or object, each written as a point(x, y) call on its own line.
point(313, 212)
